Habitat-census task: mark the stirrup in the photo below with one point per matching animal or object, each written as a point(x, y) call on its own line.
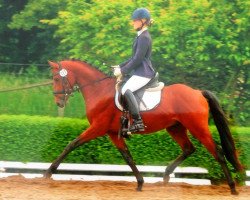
point(124, 124)
point(137, 126)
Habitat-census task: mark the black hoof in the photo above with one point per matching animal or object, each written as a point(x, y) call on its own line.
point(47, 175)
point(166, 179)
point(139, 186)
point(234, 192)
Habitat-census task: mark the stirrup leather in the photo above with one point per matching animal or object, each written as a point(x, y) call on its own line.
point(124, 125)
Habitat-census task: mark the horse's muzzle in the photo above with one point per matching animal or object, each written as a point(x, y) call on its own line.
point(60, 104)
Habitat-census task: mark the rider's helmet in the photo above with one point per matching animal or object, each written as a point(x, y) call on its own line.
point(141, 13)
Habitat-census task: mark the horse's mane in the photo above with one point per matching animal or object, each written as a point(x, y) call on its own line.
point(85, 62)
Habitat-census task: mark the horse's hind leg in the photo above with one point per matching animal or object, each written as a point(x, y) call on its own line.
point(179, 134)
point(203, 134)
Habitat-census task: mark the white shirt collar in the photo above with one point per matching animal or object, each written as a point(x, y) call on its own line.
point(140, 32)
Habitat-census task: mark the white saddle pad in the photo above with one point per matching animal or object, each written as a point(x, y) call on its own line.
point(150, 99)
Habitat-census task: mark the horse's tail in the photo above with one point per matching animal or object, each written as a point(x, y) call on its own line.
point(221, 123)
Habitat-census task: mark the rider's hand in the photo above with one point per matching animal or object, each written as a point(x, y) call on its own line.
point(117, 70)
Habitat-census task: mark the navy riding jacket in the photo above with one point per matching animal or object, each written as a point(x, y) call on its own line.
point(140, 64)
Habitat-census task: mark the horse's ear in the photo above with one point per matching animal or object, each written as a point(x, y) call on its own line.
point(53, 64)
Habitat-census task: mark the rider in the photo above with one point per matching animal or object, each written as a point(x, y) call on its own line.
point(139, 66)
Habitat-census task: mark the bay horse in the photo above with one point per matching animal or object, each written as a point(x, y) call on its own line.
point(181, 109)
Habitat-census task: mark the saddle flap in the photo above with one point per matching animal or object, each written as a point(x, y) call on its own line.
point(147, 98)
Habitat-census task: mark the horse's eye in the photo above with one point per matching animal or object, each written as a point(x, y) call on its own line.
point(56, 79)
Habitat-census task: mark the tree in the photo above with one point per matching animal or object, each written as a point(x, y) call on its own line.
point(207, 46)
point(26, 39)
point(10, 42)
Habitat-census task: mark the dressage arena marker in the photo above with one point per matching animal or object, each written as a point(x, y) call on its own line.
point(10, 168)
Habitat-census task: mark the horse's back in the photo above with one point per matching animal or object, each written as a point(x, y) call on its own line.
point(183, 98)
point(181, 89)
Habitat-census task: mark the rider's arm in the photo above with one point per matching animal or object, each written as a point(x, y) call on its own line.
point(143, 44)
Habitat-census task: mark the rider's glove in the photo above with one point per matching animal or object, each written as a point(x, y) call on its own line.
point(117, 70)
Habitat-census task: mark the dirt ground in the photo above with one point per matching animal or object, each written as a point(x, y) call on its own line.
point(19, 188)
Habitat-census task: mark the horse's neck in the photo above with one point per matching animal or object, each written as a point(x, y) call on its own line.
point(98, 97)
point(95, 88)
point(84, 73)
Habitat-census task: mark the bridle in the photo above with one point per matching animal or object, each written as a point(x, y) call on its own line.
point(68, 89)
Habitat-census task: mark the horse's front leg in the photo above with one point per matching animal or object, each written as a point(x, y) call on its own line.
point(122, 147)
point(91, 133)
point(70, 147)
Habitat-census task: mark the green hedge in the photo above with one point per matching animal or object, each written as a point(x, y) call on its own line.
point(42, 139)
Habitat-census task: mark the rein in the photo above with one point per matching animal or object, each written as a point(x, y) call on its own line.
point(68, 91)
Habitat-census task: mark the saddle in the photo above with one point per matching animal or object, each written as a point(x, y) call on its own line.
point(148, 97)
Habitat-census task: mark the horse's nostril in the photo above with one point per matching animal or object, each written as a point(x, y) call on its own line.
point(60, 104)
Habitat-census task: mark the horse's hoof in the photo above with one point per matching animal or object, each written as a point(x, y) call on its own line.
point(166, 179)
point(47, 175)
point(234, 192)
point(139, 186)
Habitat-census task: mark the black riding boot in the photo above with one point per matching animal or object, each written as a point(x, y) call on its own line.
point(133, 108)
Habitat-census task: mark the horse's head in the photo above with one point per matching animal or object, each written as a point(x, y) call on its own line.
point(63, 83)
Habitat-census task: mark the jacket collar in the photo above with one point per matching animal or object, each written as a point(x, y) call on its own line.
point(141, 31)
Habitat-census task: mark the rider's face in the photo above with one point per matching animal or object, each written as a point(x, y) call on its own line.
point(137, 23)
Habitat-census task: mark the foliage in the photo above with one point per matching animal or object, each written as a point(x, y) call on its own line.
point(42, 139)
point(8, 50)
point(27, 40)
point(96, 30)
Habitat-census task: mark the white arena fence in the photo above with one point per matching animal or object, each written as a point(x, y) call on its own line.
point(104, 172)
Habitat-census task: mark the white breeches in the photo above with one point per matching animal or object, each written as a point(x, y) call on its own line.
point(135, 83)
